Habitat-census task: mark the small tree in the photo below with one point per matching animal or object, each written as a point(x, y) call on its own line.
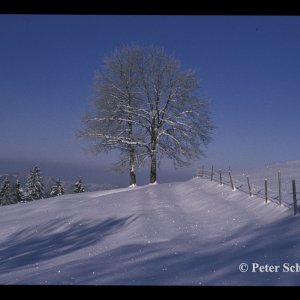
point(78, 187)
point(5, 193)
point(35, 186)
point(57, 189)
point(17, 192)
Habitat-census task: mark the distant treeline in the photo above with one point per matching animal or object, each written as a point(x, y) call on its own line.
point(11, 193)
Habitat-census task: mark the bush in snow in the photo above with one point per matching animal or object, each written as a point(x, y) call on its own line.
point(78, 187)
point(57, 189)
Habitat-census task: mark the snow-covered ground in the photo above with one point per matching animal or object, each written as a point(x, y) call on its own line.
point(188, 233)
point(288, 171)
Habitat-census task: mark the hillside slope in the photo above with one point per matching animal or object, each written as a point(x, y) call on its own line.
point(190, 233)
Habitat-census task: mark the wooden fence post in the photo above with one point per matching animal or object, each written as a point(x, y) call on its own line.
point(294, 197)
point(279, 189)
point(220, 173)
point(249, 186)
point(231, 182)
point(212, 173)
point(202, 171)
point(266, 191)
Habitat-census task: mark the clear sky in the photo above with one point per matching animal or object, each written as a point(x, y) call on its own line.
point(249, 67)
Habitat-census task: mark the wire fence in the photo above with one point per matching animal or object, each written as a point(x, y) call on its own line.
point(277, 188)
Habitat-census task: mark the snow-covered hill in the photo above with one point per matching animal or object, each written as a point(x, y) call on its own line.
point(288, 171)
point(190, 233)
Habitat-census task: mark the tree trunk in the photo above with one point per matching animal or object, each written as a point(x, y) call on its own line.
point(131, 153)
point(153, 168)
point(132, 174)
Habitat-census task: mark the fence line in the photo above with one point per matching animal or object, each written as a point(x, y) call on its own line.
point(263, 192)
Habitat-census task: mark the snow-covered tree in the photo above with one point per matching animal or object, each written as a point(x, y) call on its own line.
point(57, 189)
point(17, 192)
point(112, 123)
point(35, 186)
point(5, 193)
point(78, 187)
point(149, 108)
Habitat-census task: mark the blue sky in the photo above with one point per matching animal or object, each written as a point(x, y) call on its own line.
point(249, 67)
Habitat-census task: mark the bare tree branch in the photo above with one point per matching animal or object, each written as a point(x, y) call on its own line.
point(148, 107)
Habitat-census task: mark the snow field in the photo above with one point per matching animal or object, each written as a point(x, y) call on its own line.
point(187, 233)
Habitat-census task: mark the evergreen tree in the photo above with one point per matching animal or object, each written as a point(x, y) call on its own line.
point(17, 193)
point(57, 189)
point(79, 188)
point(35, 186)
point(5, 193)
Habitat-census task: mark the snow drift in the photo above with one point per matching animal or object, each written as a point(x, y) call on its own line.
point(190, 233)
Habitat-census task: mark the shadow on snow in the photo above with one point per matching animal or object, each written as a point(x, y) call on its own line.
point(56, 238)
